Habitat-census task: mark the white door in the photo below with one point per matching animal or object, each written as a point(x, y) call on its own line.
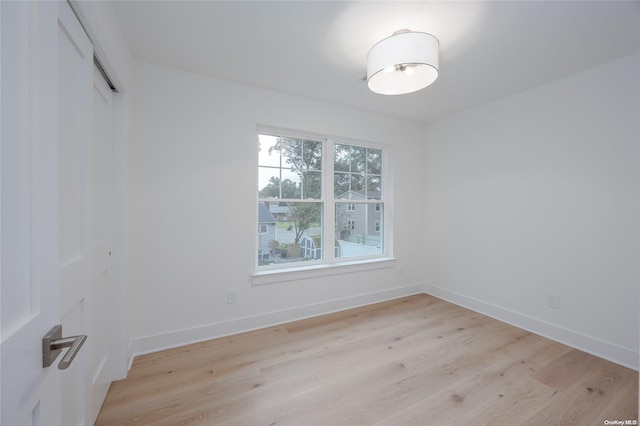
point(86, 293)
point(56, 216)
point(29, 213)
point(75, 81)
point(101, 366)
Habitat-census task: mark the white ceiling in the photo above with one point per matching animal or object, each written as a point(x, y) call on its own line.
point(318, 49)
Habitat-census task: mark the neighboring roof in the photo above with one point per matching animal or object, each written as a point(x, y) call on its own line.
point(275, 208)
point(359, 195)
point(317, 239)
point(264, 216)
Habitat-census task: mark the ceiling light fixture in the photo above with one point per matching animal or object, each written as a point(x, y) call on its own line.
point(403, 63)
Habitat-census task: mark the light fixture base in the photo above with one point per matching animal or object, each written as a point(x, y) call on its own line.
point(405, 30)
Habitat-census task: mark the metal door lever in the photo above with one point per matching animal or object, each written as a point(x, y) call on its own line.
point(52, 344)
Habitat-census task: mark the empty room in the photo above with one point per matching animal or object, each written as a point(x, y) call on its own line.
point(320, 212)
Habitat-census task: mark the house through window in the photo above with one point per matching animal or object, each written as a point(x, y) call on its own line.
point(316, 192)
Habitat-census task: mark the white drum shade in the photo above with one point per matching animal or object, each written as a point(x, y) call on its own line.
point(403, 63)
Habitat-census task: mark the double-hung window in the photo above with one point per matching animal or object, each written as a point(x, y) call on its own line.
point(320, 201)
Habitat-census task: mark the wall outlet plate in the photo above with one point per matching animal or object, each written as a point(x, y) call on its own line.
point(554, 301)
point(231, 296)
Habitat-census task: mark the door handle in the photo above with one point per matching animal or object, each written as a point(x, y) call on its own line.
point(53, 343)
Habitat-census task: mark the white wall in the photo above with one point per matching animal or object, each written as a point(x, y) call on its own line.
point(538, 194)
point(192, 207)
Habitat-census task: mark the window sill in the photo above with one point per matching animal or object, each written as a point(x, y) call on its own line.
point(304, 272)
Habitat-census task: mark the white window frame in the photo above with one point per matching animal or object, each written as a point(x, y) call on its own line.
point(261, 226)
point(330, 264)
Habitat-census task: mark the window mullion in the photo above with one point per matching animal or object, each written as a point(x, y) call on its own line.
point(280, 176)
point(329, 203)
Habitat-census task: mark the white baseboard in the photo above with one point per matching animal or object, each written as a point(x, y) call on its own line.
point(145, 345)
point(130, 356)
point(613, 353)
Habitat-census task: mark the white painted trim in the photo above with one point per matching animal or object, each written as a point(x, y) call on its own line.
point(608, 351)
point(265, 274)
point(150, 344)
point(119, 237)
point(177, 338)
point(130, 357)
point(269, 276)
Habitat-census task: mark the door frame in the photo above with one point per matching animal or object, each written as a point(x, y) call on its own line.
point(93, 21)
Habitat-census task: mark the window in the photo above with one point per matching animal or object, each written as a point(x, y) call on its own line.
point(315, 192)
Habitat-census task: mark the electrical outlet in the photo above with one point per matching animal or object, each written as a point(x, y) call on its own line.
point(554, 301)
point(231, 296)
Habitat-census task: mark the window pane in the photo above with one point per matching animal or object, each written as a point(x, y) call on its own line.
point(357, 172)
point(267, 154)
point(289, 168)
point(359, 231)
point(300, 154)
point(293, 232)
point(341, 185)
point(357, 187)
point(312, 185)
point(270, 184)
point(312, 155)
point(374, 161)
point(341, 158)
point(358, 159)
point(374, 187)
point(349, 186)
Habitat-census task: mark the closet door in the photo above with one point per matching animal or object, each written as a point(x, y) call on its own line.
point(56, 211)
point(101, 365)
point(76, 257)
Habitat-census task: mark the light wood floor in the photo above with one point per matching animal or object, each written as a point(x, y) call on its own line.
point(411, 361)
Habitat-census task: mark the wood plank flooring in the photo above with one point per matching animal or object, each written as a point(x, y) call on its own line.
point(411, 361)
